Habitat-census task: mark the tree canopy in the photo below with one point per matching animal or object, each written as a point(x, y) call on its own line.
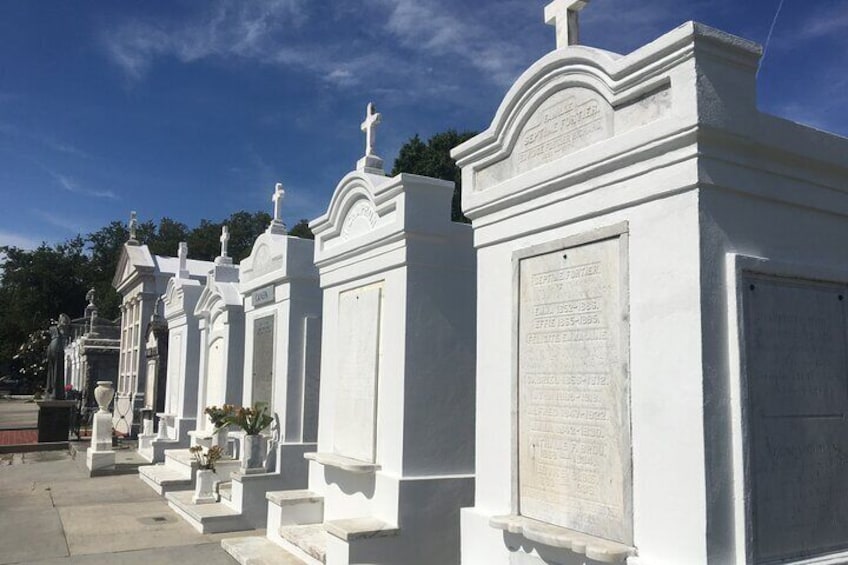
point(433, 159)
point(37, 285)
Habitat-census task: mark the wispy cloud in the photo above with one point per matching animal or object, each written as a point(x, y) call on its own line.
point(13, 239)
point(827, 23)
point(48, 141)
point(66, 223)
point(73, 186)
point(227, 28)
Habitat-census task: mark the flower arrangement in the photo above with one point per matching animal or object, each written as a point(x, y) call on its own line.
point(208, 459)
point(251, 420)
point(218, 416)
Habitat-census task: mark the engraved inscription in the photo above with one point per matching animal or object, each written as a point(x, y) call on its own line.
point(797, 383)
point(263, 361)
point(568, 120)
point(573, 419)
point(361, 218)
point(359, 329)
point(262, 296)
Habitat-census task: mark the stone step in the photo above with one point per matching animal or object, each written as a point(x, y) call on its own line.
point(179, 458)
point(256, 550)
point(365, 527)
point(309, 538)
point(225, 489)
point(163, 479)
point(206, 518)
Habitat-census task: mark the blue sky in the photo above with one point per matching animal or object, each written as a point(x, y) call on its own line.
point(194, 109)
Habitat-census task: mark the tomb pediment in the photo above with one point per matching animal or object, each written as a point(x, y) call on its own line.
point(134, 261)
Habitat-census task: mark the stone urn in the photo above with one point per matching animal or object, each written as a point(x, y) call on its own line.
point(204, 488)
point(253, 456)
point(103, 394)
point(220, 437)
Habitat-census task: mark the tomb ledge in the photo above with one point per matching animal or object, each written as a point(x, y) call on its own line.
point(593, 547)
point(344, 463)
point(350, 529)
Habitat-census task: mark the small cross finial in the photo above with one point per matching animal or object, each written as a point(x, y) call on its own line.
point(277, 226)
point(564, 14)
point(225, 239)
point(369, 126)
point(371, 163)
point(133, 226)
point(182, 255)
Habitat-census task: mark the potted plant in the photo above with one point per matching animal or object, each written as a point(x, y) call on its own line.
point(204, 490)
point(219, 416)
point(252, 421)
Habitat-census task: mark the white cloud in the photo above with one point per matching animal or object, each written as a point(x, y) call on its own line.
point(240, 28)
point(831, 23)
point(71, 185)
point(12, 239)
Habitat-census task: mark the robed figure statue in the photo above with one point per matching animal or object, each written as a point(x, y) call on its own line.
point(55, 388)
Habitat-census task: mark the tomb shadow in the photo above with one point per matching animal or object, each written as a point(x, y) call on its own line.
point(351, 483)
point(544, 553)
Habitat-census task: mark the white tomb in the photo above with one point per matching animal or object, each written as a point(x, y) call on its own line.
point(179, 414)
point(394, 461)
point(661, 319)
point(282, 300)
point(140, 279)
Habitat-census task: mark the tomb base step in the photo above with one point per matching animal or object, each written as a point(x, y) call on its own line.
point(255, 550)
point(225, 490)
point(163, 479)
point(212, 518)
point(311, 539)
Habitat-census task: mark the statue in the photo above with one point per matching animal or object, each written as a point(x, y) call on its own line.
point(55, 387)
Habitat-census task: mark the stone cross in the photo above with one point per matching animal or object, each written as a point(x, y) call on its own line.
point(277, 199)
point(225, 239)
point(564, 15)
point(182, 255)
point(369, 126)
point(133, 226)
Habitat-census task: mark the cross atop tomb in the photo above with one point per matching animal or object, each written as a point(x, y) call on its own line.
point(182, 255)
point(369, 126)
point(277, 226)
point(564, 14)
point(133, 226)
point(225, 240)
point(371, 163)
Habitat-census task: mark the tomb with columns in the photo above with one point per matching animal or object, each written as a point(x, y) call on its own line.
point(660, 282)
point(282, 301)
point(394, 457)
point(140, 279)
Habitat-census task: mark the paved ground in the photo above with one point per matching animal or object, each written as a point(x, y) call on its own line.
point(51, 512)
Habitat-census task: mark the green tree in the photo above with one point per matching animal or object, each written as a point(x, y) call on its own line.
point(301, 229)
point(433, 160)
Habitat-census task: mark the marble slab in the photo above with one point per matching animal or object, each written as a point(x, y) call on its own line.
point(263, 361)
point(359, 325)
point(574, 451)
point(796, 352)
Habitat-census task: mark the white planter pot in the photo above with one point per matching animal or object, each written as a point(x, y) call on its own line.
point(253, 456)
point(204, 489)
point(220, 438)
point(103, 394)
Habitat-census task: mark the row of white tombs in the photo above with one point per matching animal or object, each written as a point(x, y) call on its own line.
point(635, 353)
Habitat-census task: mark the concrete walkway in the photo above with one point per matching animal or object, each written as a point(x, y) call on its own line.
point(52, 512)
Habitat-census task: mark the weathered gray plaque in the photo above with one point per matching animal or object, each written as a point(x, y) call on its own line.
point(359, 326)
point(797, 399)
point(263, 361)
point(574, 447)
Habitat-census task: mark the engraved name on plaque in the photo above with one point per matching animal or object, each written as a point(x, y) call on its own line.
point(574, 449)
point(263, 361)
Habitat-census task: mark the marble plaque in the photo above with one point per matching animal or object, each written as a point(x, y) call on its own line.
point(574, 451)
point(215, 373)
point(262, 296)
point(359, 328)
point(797, 400)
point(263, 361)
point(150, 385)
